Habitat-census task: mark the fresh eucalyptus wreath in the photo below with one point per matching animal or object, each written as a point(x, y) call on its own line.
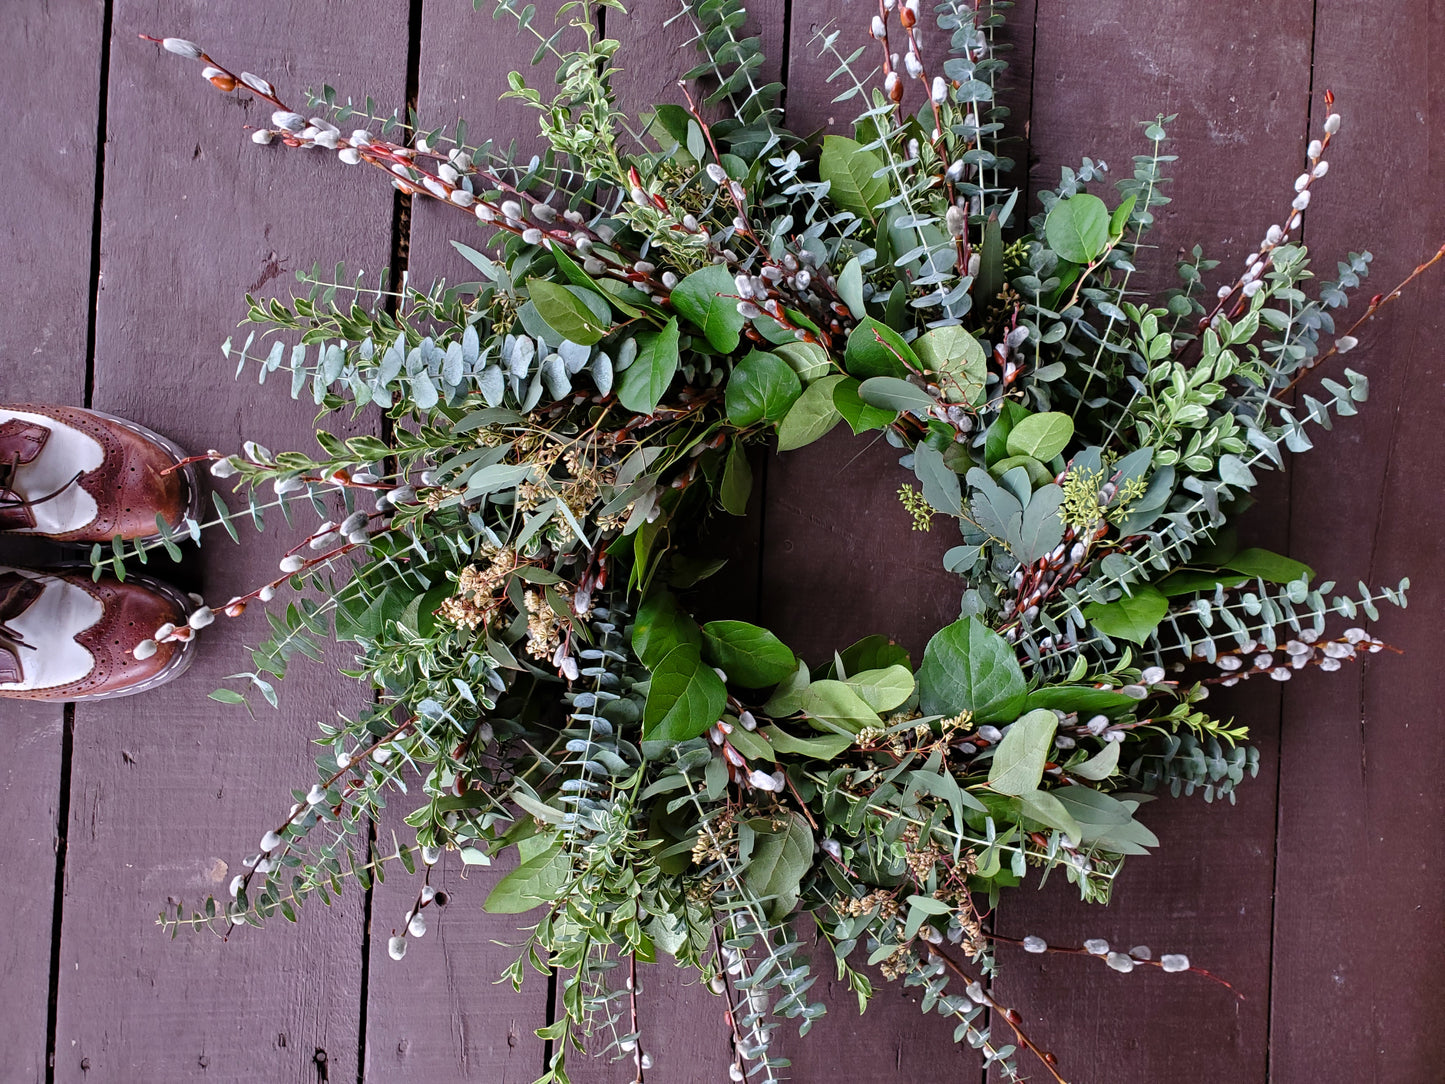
point(510, 561)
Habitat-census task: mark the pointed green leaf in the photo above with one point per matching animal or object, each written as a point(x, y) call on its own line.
point(697, 299)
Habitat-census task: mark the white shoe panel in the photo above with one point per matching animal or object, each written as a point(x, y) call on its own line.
point(66, 453)
point(50, 626)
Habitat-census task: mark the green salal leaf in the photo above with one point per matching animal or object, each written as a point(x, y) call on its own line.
point(1085, 700)
point(536, 881)
point(837, 706)
point(1269, 566)
point(698, 300)
point(750, 656)
point(780, 860)
point(787, 698)
point(1039, 475)
point(1018, 762)
point(1078, 228)
point(808, 360)
point(941, 487)
point(578, 315)
point(761, 387)
point(883, 689)
point(1133, 617)
point(1044, 807)
point(684, 698)
point(1101, 765)
point(1041, 436)
point(850, 288)
point(894, 394)
point(874, 652)
point(819, 747)
point(968, 666)
point(661, 625)
point(875, 349)
point(737, 481)
point(861, 417)
point(811, 417)
point(956, 362)
point(1189, 582)
point(849, 171)
point(647, 379)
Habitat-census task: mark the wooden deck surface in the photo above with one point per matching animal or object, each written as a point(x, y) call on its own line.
point(138, 216)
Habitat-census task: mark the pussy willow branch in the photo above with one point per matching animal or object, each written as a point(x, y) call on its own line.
point(1009, 1015)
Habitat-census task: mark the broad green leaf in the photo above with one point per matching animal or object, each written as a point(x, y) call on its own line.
point(697, 299)
point(647, 379)
point(750, 656)
point(819, 747)
point(874, 653)
point(761, 386)
point(753, 744)
point(1018, 762)
point(1119, 220)
point(941, 488)
point(1133, 617)
point(894, 394)
point(536, 881)
point(661, 625)
point(1083, 699)
point(1268, 566)
point(779, 862)
point(579, 315)
point(1078, 228)
point(1101, 765)
point(737, 481)
point(883, 689)
point(1190, 582)
point(787, 698)
point(811, 417)
point(1044, 807)
point(1041, 528)
point(850, 288)
point(808, 360)
point(685, 697)
point(995, 444)
point(956, 361)
point(849, 169)
point(968, 666)
point(1041, 436)
point(1039, 475)
point(874, 349)
point(838, 704)
point(859, 415)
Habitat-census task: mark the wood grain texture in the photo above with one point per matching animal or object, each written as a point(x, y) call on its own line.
point(170, 791)
point(1358, 948)
point(439, 1014)
point(1241, 93)
point(45, 277)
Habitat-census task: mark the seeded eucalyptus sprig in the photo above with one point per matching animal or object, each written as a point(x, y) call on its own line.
point(510, 565)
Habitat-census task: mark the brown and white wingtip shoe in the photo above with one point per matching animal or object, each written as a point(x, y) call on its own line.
point(77, 475)
point(65, 637)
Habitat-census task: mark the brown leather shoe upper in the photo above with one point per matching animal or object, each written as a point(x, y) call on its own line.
point(131, 612)
point(130, 486)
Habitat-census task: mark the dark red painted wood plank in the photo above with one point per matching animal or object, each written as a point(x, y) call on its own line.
point(52, 88)
point(170, 790)
point(1358, 947)
point(1241, 94)
point(438, 1014)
